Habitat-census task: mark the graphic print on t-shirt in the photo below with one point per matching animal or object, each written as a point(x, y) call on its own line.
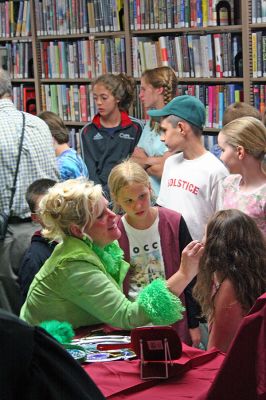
point(146, 262)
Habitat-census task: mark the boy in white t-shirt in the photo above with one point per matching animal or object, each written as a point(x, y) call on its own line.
point(191, 180)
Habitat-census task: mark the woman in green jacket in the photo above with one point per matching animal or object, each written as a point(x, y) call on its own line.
point(82, 280)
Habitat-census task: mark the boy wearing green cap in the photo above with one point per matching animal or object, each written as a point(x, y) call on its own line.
point(191, 180)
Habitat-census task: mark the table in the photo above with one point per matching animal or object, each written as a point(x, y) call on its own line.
point(195, 370)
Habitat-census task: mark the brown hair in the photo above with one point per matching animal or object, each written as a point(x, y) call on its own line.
point(236, 249)
point(161, 77)
point(238, 110)
point(56, 126)
point(121, 86)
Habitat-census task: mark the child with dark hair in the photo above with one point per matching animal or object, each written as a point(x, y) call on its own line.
point(40, 248)
point(69, 162)
point(232, 273)
point(112, 135)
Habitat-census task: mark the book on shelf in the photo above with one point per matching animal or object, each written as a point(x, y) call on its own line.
point(254, 55)
point(164, 50)
point(263, 11)
point(218, 55)
point(19, 19)
point(25, 27)
point(29, 100)
point(264, 55)
point(4, 58)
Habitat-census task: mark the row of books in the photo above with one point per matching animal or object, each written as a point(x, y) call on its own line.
point(75, 102)
point(74, 139)
point(191, 56)
point(259, 94)
point(163, 14)
point(70, 102)
point(17, 59)
point(209, 141)
point(64, 17)
point(258, 54)
point(216, 99)
point(15, 18)
point(258, 11)
point(85, 58)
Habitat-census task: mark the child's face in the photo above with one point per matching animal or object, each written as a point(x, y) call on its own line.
point(229, 154)
point(35, 216)
point(135, 200)
point(150, 97)
point(106, 103)
point(172, 137)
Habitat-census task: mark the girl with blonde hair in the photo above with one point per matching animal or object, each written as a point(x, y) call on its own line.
point(243, 145)
point(81, 282)
point(152, 239)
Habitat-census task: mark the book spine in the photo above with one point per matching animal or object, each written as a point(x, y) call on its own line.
point(218, 55)
point(191, 56)
point(263, 11)
point(164, 50)
point(205, 13)
point(259, 54)
point(254, 55)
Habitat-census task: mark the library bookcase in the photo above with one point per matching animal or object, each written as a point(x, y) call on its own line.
point(58, 47)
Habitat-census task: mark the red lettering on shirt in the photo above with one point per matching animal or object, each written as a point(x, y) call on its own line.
point(190, 187)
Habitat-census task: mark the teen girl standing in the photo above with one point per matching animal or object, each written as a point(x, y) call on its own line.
point(158, 87)
point(243, 145)
point(112, 135)
point(152, 239)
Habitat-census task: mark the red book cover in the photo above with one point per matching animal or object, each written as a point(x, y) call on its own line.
point(29, 100)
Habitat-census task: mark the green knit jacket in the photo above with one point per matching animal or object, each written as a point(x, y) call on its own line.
point(73, 285)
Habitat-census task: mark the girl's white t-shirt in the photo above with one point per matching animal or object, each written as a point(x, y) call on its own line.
point(146, 261)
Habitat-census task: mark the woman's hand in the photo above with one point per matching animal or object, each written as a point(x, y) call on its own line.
point(189, 267)
point(190, 257)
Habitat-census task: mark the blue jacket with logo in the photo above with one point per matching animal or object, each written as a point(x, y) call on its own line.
point(102, 148)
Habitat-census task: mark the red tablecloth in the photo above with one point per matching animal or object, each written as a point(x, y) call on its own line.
point(194, 373)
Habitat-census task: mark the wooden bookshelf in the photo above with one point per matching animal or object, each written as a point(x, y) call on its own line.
point(243, 25)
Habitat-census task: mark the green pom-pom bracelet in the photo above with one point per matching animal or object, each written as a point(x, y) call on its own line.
point(61, 331)
point(160, 304)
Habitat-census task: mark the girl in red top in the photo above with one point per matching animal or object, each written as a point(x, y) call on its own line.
point(232, 274)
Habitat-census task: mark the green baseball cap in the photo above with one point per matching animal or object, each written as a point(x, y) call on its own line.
point(189, 108)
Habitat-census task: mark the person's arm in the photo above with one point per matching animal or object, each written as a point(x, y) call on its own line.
point(153, 165)
point(228, 314)
point(192, 307)
point(87, 286)
point(217, 195)
point(157, 164)
point(140, 157)
point(189, 267)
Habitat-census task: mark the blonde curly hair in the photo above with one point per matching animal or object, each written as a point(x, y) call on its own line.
point(75, 201)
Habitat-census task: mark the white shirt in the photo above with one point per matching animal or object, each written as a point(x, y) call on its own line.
point(146, 261)
point(193, 188)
